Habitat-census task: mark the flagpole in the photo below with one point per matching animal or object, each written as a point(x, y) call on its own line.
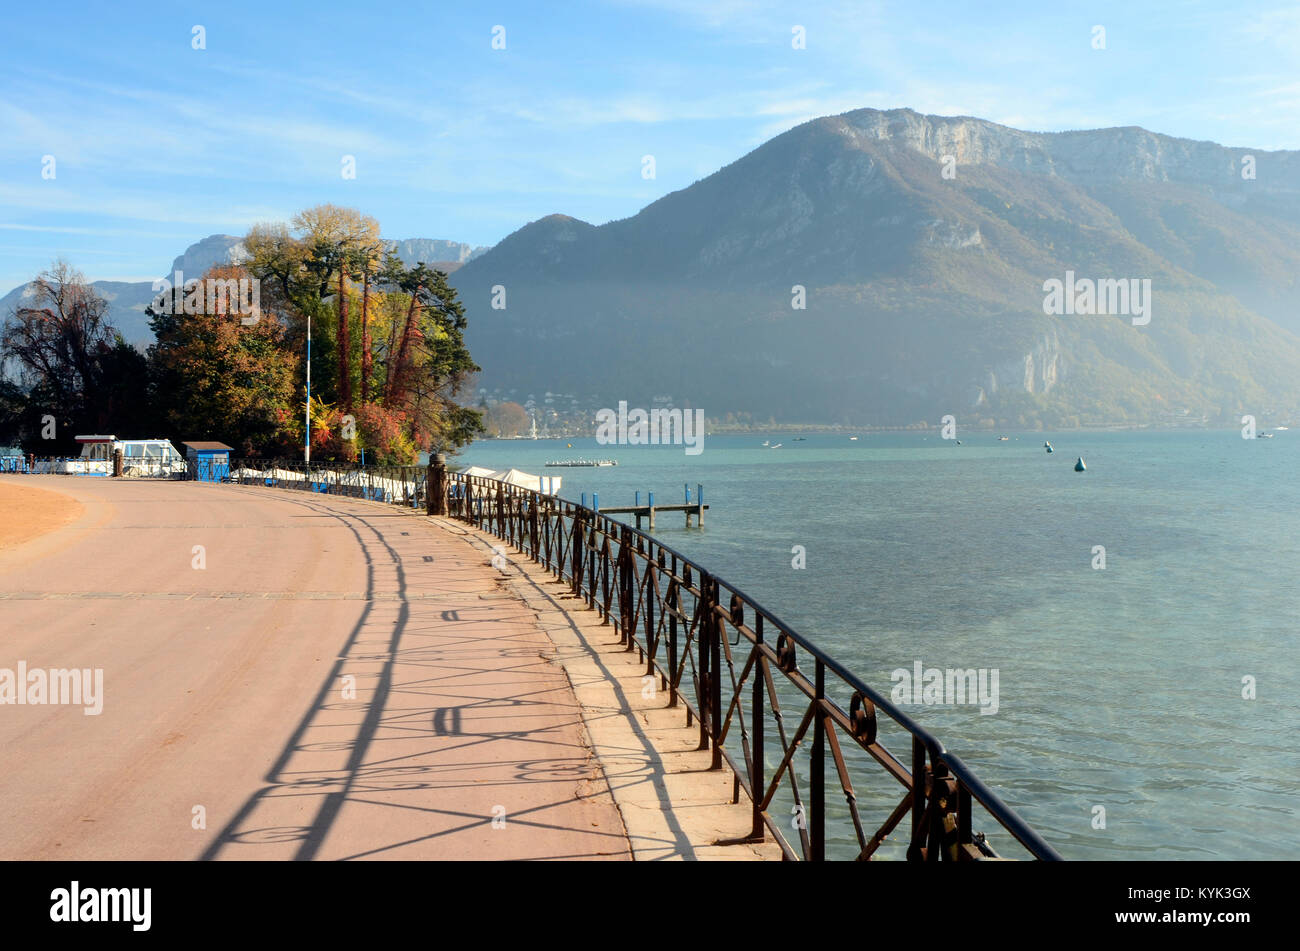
point(307, 446)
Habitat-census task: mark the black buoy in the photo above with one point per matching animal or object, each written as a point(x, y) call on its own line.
point(1079, 466)
point(1048, 447)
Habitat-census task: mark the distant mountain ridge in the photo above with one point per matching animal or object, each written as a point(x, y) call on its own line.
point(128, 299)
point(921, 245)
point(888, 267)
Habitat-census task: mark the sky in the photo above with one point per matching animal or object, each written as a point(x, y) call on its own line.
point(156, 144)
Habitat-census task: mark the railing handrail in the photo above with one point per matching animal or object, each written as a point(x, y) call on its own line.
point(645, 546)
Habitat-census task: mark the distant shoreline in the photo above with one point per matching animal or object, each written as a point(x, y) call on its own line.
point(827, 430)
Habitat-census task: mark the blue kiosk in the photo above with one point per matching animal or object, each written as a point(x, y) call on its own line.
point(208, 461)
point(12, 459)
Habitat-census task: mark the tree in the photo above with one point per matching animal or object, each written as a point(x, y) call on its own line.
point(338, 241)
point(223, 379)
point(507, 419)
point(432, 366)
point(63, 347)
point(409, 359)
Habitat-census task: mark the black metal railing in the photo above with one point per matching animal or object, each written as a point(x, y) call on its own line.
point(760, 693)
point(775, 709)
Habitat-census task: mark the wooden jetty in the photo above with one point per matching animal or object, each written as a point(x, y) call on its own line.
point(695, 509)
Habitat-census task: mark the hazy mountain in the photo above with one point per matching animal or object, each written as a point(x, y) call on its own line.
point(127, 300)
point(924, 292)
point(126, 303)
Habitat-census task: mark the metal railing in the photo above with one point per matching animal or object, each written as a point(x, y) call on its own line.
point(770, 705)
point(400, 485)
point(133, 467)
point(760, 693)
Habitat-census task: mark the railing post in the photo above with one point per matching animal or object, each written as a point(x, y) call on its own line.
point(715, 682)
point(648, 615)
point(435, 495)
point(818, 767)
point(674, 607)
point(627, 583)
point(964, 837)
point(915, 850)
point(576, 544)
point(704, 609)
point(595, 555)
point(532, 528)
point(757, 780)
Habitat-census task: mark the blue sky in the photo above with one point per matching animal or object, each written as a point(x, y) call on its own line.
point(158, 144)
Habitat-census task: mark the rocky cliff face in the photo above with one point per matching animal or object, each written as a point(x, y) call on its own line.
point(213, 251)
point(1128, 154)
point(434, 250)
point(1038, 370)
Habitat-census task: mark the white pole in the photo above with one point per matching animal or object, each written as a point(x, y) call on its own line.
point(307, 448)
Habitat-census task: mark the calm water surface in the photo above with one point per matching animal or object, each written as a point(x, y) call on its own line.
point(1119, 688)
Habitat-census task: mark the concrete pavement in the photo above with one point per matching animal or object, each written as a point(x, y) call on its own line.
point(286, 676)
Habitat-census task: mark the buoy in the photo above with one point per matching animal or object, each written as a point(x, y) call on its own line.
point(1079, 466)
point(1048, 447)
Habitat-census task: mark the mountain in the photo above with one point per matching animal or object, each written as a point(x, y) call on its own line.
point(212, 251)
point(128, 299)
point(126, 303)
point(446, 256)
point(922, 244)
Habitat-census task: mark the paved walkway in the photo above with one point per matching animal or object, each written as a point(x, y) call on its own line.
point(320, 678)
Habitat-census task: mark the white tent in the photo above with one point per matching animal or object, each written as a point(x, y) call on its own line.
point(515, 477)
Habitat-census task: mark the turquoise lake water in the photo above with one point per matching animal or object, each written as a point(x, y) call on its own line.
point(1120, 688)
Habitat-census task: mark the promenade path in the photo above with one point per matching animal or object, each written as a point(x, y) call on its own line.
point(285, 676)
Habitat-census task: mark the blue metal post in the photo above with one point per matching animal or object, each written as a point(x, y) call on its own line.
point(595, 501)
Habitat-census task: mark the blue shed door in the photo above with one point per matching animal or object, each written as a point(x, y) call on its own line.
point(213, 467)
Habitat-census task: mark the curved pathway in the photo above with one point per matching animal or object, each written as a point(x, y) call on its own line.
point(285, 676)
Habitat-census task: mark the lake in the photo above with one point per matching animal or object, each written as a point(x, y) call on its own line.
point(1119, 687)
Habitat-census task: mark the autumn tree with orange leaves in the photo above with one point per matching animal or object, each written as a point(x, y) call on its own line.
point(400, 374)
